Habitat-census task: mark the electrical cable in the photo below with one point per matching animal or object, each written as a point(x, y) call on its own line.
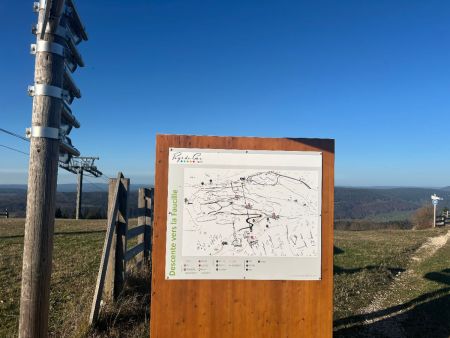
point(25, 139)
point(14, 134)
point(14, 149)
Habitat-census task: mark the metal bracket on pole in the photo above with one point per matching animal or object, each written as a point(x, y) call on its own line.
point(49, 47)
point(47, 90)
point(43, 132)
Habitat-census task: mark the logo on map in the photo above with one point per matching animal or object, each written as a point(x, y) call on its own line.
point(187, 158)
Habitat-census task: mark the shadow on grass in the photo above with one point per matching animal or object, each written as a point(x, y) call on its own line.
point(442, 277)
point(339, 270)
point(425, 316)
point(337, 251)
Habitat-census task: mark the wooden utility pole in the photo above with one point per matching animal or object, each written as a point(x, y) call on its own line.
point(79, 193)
point(58, 30)
point(42, 178)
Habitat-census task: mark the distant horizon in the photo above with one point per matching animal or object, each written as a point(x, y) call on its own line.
point(152, 184)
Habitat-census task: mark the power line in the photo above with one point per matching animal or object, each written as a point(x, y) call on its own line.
point(61, 164)
point(14, 149)
point(103, 176)
point(14, 134)
point(90, 182)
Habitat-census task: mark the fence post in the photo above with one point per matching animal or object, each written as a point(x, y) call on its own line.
point(149, 229)
point(121, 243)
point(144, 204)
point(111, 266)
point(115, 274)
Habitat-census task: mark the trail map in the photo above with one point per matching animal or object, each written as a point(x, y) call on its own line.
point(247, 212)
point(243, 214)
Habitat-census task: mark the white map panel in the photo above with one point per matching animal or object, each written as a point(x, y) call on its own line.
point(242, 214)
point(250, 212)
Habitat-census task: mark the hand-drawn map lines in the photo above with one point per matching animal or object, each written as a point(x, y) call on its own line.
point(248, 212)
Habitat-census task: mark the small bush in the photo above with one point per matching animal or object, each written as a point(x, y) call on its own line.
point(423, 218)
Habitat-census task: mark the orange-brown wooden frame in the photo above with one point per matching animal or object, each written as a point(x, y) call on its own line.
point(241, 308)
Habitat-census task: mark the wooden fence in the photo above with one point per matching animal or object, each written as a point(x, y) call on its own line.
point(4, 214)
point(115, 256)
point(443, 219)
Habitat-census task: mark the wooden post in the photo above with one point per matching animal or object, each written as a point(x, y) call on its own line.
point(144, 207)
point(115, 273)
point(79, 193)
point(149, 229)
point(121, 241)
point(110, 230)
point(42, 178)
point(111, 266)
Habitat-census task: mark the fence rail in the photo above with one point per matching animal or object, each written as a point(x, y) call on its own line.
point(131, 233)
point(443, 219)
point(115, 256)
point(134, 251)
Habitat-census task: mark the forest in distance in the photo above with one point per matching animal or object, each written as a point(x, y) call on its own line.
point(355, 208)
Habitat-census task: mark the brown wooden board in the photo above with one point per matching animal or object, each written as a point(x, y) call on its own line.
point(241, 308)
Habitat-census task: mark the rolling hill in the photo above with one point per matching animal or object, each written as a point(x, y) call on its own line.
point(376, 205)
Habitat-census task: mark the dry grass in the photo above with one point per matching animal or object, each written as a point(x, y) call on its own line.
point(366, 263)
point(129, 316)
point(368, 268)
point(76, 258)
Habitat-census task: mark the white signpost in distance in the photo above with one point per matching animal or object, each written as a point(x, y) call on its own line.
point(236, 214)
point(435, 200)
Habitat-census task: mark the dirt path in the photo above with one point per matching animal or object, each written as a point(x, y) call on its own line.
point(390, 324)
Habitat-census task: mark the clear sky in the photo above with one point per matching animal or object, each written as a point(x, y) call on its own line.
point(373, 74)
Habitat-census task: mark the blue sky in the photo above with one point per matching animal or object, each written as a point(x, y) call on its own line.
point(374, 75)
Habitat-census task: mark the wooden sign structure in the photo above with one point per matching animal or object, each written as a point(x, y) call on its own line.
point(257, 307)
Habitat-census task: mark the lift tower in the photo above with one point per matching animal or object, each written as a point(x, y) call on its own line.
point(79, 165)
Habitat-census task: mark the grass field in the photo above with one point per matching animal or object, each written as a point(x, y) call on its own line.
point(77, 250)
point(387, 283)
point(392, 284)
